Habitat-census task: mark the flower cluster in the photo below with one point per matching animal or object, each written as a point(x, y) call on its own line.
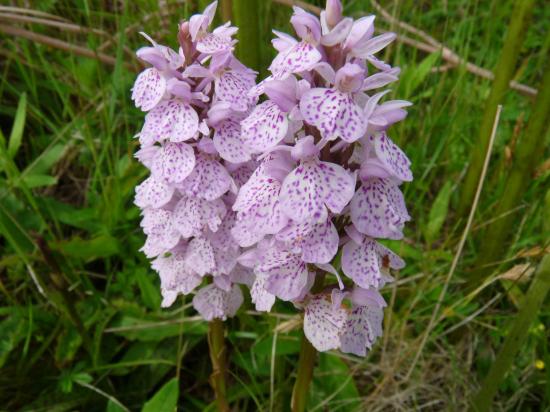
point(194, 99)
point(328, 180)
point(279, 195)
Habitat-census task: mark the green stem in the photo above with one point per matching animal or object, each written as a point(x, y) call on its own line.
point(504, 71)
point(246, 14)
point(306, 363)
point(218, 354)
point(514, 340)
point(526, 159)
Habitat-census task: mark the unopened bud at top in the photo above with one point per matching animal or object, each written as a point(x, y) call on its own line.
point(333, 12)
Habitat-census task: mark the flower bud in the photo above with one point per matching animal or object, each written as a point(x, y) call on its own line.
point(333, 12)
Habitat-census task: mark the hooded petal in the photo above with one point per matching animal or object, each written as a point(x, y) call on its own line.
point(323, 323)
point(171, 120)
point(148, 89)
point(378, 209)
point(227, 140)
point(153, 192)
point(209, 180)
point(312, 187)
point(334, 113)
point(173, 162)
point(264, 127)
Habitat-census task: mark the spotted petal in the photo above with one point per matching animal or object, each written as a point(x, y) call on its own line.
point(362, 328)
point(199, 256)
point(378, 209)
point(173, 162)
point(286, 274)
point(364, 262)
point(159, 223)
point(215, 303)
point(334, 113)
point(171, 120)
point(153, 192)
point(266, 126)
point(233, 87)
point(212, 43)
point(175, 277)
point(318, 243)
point(193, 215)
point(228, 143)
point(262, 299)
point(323, 323)
point(312, 187)
point(148, 89)
point(300, 57)
point(209, 179)
point(393, 158)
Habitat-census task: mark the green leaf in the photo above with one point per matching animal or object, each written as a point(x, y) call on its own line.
point(438, 212)
point(68, 344)
point(147, 330)
point(113, 407)
point(89, 249)
point(12, 331)
point(44, 162)
point(149, 291)
point(165, 400)
point(32, 181)
point(335, 380)
point(16, 135)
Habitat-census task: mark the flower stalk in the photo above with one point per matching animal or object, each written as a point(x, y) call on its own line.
point(534, 298)
point(218, 353)
point(306, 363)
point(504, 72)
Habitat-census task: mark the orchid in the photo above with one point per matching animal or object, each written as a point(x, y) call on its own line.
point(190, 142)
point(327, 183)
point(279, 194)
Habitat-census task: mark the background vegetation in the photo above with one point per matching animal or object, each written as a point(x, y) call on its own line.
point(81, 327)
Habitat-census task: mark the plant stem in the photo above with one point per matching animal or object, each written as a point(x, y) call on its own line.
point(515, 339)
point(504, 71)
point(217, 350)
point(308, 354)
point(526, 159)
point(306, 362)
point(246, 14)
point(227, 14)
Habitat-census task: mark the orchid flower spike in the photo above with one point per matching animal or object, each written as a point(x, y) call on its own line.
point(191, 144)
point(327, 184)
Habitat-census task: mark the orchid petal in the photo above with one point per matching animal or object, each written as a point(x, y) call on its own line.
point(264, 127)
point(148, 89)
point(378, 209)
point(323, 323)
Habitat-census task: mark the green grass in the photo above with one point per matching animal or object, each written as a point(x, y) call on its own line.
point(81, 327)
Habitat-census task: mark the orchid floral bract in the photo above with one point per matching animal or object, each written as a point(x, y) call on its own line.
point(282, 186)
